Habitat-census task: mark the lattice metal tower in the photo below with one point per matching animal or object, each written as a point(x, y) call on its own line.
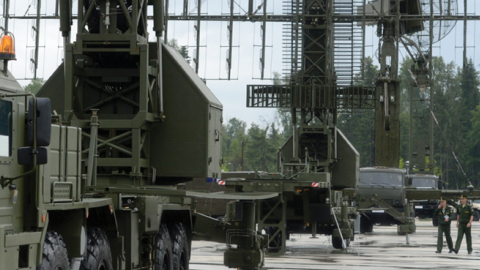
point(323, 48)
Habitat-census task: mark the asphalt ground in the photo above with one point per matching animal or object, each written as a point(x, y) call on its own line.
point(381, 249)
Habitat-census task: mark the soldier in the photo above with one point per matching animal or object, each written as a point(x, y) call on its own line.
point(464, 224)
point(443, 213)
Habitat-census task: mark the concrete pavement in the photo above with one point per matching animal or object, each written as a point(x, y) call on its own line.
point(381, 249)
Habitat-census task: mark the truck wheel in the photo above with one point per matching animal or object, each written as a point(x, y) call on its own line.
point(435, 221)
point(366, 225)
point(163, 252)
point(55, 254)
point(180, 247)
point(476, 217)
point(99, 256)
point(370, 227)
point(337, 242)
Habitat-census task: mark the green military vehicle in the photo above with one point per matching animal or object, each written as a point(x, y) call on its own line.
point(315, 197)
point(88, 166)
point(424, 208)
point(380, 197)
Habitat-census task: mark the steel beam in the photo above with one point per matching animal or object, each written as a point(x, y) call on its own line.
point(197, 29)
point(264, 33)
point(37, 38)
point(230, 39)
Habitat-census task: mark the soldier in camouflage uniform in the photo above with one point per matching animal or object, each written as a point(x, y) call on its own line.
point(443, 214)
point(464, 224)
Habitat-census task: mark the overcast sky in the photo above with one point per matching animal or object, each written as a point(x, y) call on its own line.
point(214, 39)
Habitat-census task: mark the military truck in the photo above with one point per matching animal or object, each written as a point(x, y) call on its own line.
point(88, 166)
point(476, 206)
point(424, 208)
point(311, 200)
point(380, 197)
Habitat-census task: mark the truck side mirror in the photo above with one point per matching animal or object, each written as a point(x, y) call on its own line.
point(44, 122)
point(44, 130)
point(25, 155)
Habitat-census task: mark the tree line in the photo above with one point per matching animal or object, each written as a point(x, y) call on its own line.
point(456, 107)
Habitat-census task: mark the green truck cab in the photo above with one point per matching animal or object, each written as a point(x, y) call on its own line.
point(424, 208)
point(40, 170)
point(380, 197)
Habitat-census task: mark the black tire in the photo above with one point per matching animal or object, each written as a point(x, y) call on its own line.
point(337, 242)
point(435, 221)
point(476, 217)
point(180, 246)
point(55, 254)
point(163, 251)
point(370, 226)
point(366, 225)
point(99, 255)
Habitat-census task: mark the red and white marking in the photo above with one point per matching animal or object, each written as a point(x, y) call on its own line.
point(221, 182)
point(315, 184)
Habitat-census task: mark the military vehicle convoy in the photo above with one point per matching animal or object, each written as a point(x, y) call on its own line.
point(88, 165)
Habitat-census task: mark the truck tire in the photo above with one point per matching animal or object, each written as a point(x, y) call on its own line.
point(337, 242)
point(366, 225)
point(163, 251)
point(98, 255)
point(435, 221)
point(180, 247)
point(55, 254)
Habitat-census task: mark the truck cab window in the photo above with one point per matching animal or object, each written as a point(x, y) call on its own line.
point(5, 128)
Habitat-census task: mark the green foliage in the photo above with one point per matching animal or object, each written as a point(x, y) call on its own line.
point(182, 50)
point(184, 53)
point(34, 86)
point(456, 107)
point(258, 146)
point(174, 44)
point(359, 126)
point(473, 146)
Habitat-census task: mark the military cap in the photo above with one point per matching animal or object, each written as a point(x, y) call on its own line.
point(463, 196)
point(442, 200)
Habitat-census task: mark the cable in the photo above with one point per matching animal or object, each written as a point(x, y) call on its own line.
point(448, 145)
point(27, 9)
point(240, 7)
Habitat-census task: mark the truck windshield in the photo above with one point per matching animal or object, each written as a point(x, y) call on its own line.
point(381, 178)
point(423, 182)
point(5, 128)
